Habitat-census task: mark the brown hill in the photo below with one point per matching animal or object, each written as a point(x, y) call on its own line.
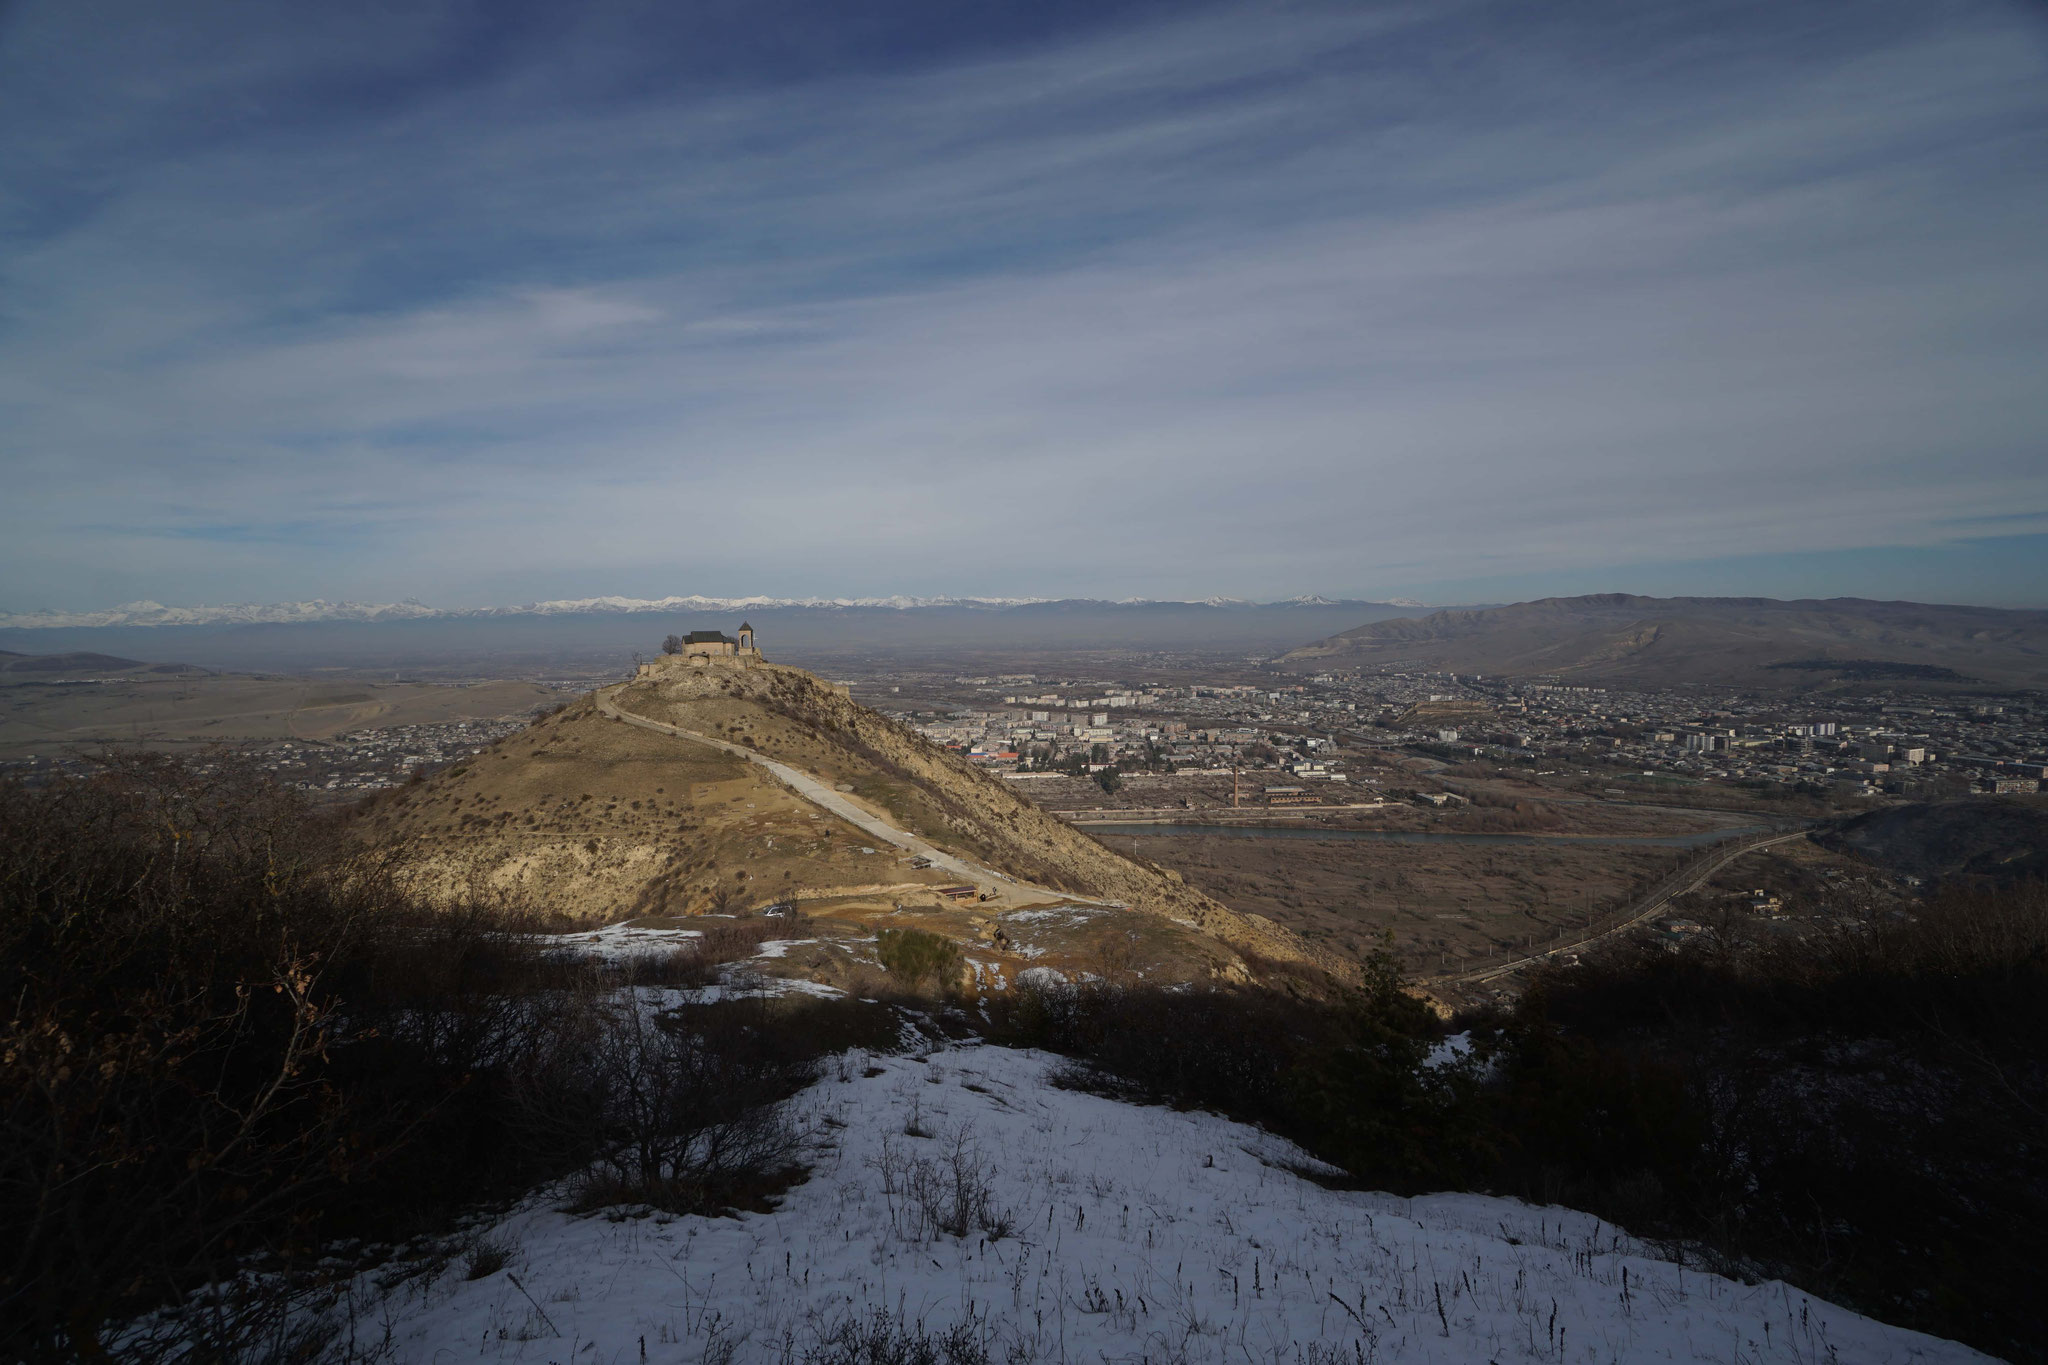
point(1757, 642)
point(78, 662)
point(1997, 841)
point(596, 816)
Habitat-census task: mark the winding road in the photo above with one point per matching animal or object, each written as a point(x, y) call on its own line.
point(1688, 878)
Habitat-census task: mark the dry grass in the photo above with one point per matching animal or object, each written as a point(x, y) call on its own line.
point(196, 711)
point(1440, 901)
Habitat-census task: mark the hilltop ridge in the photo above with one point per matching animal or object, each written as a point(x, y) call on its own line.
point(591, 816)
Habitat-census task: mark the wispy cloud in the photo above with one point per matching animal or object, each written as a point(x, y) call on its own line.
point(1246, 300)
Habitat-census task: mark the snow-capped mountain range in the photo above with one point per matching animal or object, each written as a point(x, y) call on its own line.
point(294, 613)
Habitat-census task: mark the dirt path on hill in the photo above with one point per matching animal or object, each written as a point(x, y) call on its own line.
point(1007, 888)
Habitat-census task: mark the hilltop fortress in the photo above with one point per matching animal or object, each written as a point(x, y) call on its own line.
point(704, 649)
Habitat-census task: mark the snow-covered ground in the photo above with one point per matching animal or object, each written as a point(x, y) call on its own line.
point(1064, 916)
point(618, 942)
point(623, 943)
point(735, 983)
point(1134, 1234)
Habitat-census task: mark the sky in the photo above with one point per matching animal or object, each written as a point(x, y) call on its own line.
point(483, 303)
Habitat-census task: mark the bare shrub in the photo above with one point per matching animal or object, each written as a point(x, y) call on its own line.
point(1116, 956)
point(948, 1195)
point(685, 965)
point(165, 949)
point(487, 1255)
point(266, 1318)
point(967, 1194)
point(740, 938)
point(882, 1340)
point(689, 1117)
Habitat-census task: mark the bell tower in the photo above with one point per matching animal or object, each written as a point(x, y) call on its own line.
point(746, 638)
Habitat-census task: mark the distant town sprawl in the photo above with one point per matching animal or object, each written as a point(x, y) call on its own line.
point(353, 763)
point(1311, 740)
point(1210, 732)
point(346, 765)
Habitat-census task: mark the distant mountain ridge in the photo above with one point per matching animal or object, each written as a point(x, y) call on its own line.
point(1758, 642)
point(36, 665)
point(146, 613)
point(607, 631)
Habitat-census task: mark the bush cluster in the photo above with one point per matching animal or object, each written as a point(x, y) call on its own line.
point(880, 1339)
point(225, 1044)
point(1863, 1110)
point(1345, 1077)
point(916, 957)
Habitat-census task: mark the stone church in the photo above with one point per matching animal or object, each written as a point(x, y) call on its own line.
point(705, 648)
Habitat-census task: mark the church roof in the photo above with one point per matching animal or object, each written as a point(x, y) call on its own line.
point(708, 637)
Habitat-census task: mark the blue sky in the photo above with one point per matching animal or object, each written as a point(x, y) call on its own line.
point(481, 303)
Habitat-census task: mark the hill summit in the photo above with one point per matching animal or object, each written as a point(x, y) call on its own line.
point(716, 783)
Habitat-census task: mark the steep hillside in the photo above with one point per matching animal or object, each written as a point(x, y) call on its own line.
point(787, 714)
point(586, 817)
point(1741, 641)
point(1998, 840)
point(599, 819)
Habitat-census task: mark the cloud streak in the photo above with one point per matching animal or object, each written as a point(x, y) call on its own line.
point(1364, 299)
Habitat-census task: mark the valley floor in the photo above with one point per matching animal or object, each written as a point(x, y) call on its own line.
point(1133, 1234)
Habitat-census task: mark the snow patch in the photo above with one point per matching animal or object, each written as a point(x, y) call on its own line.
point(618, 942)
point(735, 986)
point(1065, 913)
point(1452, 1049)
